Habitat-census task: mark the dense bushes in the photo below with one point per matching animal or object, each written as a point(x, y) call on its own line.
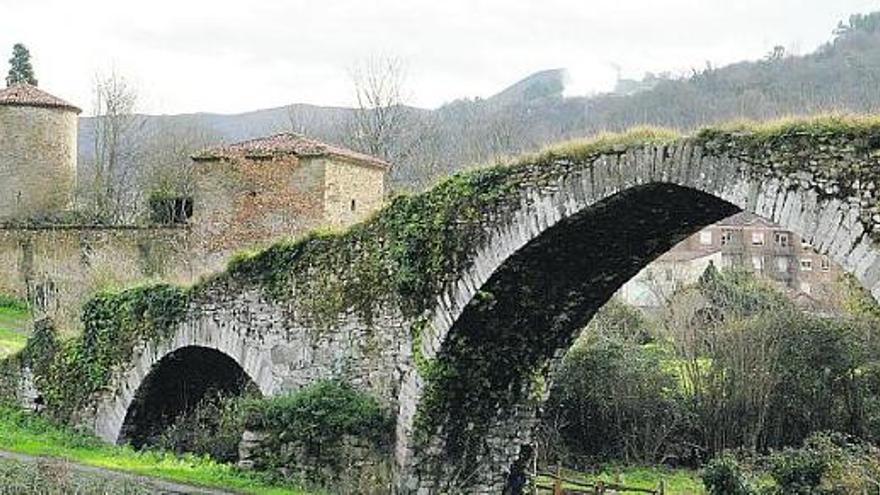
point(613, 399)
point(827, 463)
point(214, 428)
point(328, 433)
point(731, 364)
point(319, 416)
point(723, 476)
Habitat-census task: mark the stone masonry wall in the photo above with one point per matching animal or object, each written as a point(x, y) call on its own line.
point(245, 203)
point(820, 187)
point(56, 269)
point(452, 306)
point(351, 191)
point(276, 347)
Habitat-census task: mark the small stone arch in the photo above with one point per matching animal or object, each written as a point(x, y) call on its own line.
point(175, 386)
point(113, 407)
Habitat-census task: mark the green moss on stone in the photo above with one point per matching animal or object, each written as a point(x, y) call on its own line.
point(70, 372)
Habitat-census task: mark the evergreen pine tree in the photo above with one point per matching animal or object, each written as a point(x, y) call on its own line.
point(20, 68)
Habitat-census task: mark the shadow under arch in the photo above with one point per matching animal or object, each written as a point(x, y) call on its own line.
point(479, 402)
point(175, 385)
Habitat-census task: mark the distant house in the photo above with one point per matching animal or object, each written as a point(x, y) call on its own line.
point(255, 191)
point(746, 241)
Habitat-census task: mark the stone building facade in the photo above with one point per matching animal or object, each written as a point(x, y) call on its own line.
point(251, 193)
point(246, 195)
point(37, 152)
point(744, 241)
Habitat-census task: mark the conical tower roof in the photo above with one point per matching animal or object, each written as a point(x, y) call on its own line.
point(27, 95)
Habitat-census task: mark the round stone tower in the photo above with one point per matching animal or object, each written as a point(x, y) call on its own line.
point(37, 153)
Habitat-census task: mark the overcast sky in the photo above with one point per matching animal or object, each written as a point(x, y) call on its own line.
point(239, 55)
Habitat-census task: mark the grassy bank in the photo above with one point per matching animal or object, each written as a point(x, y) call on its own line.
point(10, 341)
point(15, 320)
point(29, 434)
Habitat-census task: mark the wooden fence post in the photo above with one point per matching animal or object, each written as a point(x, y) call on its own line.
point(557, 484)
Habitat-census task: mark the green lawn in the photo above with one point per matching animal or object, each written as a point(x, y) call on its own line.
point(677, 481)
point(30, 434)
point(15, 324)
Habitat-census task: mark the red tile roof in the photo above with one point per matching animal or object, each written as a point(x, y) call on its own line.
point(286, 143)
point(745, 218)
point(26, 95)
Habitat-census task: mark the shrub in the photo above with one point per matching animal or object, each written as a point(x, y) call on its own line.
point(319, 414)
point(798, 471)
point(319, 432)
point(10, 303)
point(214, 428)
point(724, 476)
point(611, 389)
point(853, 465)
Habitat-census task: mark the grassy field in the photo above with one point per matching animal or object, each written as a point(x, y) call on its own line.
point(677, 481)
point(15, 321)
point(29, 434)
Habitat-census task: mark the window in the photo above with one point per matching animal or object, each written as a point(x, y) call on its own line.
point(805, 244)
point(806, 265)
point(726, 237)
point(825, 264)
point(782, 264)
point(170, 209)
point(758, 263)
point(757, 238)
point(781, 239)
point(706, 237)
point(667, 274)
point(353, 205)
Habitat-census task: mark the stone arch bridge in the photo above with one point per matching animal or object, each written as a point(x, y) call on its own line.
point(451, 305)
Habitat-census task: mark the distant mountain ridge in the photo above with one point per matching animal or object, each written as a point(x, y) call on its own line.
point(842, 75)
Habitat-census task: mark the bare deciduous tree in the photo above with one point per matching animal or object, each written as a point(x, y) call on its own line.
point(166, 167)
point(380, 117)
point(116, 127)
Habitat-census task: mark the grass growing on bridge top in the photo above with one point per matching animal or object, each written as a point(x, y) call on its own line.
point(604, 142)
point(832, 124)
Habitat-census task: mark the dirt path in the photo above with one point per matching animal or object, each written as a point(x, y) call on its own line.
point(159, 485)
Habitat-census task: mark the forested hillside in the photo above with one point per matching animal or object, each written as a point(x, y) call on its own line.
point(841, 75)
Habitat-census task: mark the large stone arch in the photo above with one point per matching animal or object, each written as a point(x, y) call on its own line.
point(111, 408)
point(687, 185)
